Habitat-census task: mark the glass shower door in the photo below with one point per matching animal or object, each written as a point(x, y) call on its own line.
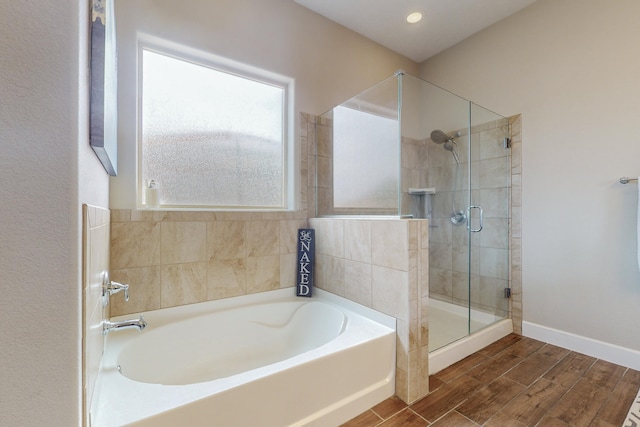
point(488, 218)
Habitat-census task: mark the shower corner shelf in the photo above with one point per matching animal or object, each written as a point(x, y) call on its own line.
point(420, 191)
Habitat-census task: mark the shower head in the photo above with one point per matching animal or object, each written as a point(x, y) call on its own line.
point(451, 145)
point(439, 137)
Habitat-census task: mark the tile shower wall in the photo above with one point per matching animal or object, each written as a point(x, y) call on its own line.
point(172, 258)
point(515, 225)
point(95, 231)
point(382, 264)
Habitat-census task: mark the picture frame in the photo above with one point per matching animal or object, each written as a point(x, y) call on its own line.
point(103, 85)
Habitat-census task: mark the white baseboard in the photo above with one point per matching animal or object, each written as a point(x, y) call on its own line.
point(598, 349)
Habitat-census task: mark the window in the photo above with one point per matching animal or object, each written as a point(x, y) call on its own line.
point(211, 135)
point(358, 184)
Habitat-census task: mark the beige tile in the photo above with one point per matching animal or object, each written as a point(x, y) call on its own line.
point(440, 282)
point(516, 190)
point(495, 202)
point(494, 263)
point(262, 238)
point(183, 242)
point(324, 171)
point(492, 295)
point(226, 278)
point(414, 375)
point(441, 256)
point(324, 135)
point(390, 244)
point(120, 215)
point(330, 274)
point(357, 282)
point(263, 273)
point(357, 240)
point(99, 262)
point(183, 284)
point(329, 236)
point(289, 235)
point(226, 240)
point(495, 233)
point(144, 290)
point(402, 386)
point(516, 222)
point(135, 244)
point(148, 216)
point(288, 269)
point(324, 201)
point(414, 234)
point(492, 143)
point(390, 293)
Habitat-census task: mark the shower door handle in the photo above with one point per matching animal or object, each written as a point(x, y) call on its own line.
point(473, 230)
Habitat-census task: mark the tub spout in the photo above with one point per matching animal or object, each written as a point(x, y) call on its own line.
point(108, 326)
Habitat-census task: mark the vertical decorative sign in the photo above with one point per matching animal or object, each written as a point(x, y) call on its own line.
point(304, 268)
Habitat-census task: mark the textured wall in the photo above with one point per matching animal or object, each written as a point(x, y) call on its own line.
point(570, 68)
point(47, 169)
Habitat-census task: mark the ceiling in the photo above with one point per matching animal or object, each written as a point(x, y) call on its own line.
point(444, 22)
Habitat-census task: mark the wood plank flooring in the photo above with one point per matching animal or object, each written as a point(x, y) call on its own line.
point(516, 382)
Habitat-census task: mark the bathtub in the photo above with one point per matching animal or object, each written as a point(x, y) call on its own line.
point(267, 359)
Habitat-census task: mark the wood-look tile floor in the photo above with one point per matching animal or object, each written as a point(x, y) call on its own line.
point(516, 382)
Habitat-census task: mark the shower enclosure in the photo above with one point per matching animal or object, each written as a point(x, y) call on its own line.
point(408, 148)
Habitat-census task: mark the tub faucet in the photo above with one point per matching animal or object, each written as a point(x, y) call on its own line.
point(108, 326)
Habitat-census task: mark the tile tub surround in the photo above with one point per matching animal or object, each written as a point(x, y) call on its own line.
point(95, 233)
point(382, 264)
point(177, 258)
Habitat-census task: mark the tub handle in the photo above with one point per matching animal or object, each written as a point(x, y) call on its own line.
point(115, 287)
point(109, 287)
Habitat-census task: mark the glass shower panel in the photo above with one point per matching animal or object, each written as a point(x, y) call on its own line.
point(490, 183)
point(358, 154)
point(435, 159)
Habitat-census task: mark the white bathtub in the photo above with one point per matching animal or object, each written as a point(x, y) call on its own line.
point(267, 359)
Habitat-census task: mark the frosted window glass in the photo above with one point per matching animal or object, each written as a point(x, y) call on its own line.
point(365, 160)
point(210, 138)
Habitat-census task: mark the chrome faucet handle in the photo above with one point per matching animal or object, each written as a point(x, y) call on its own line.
point(115, 287)
point(109, 287)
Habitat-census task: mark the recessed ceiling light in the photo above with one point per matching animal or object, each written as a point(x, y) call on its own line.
point(414, 17)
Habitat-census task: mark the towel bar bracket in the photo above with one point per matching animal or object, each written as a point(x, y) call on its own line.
point(626, 180)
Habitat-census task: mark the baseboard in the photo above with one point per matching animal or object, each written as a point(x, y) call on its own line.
point(599, 349)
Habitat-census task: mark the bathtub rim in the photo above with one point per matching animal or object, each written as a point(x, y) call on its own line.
point(171, 314)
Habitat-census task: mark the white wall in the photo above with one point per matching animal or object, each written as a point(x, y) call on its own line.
point(571, 67)
point(329, 63)
point(46, 171)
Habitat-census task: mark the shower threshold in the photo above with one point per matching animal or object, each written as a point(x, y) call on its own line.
point(448, 333)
